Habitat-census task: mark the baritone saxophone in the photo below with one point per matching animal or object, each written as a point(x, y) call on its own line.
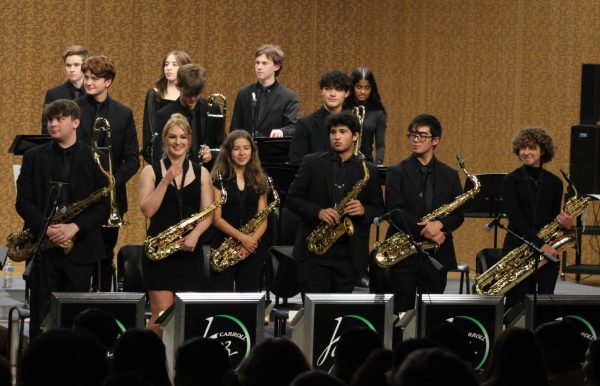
point(227, 254)
point(169, 241)
point(520, 263)
point(398, 247)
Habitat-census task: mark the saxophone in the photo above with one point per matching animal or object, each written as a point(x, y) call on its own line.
point(227, 254)
point(22, 245)
point(169, 241)
point(398, 247)
point(324, 236)
point(519, 263)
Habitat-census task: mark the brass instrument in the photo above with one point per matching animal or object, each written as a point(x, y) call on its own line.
point(169, 241)
point(359, 112)
point(102, 126)
point(324, 235)
point(398, 247)
point(227, 254)
point(520, 263)
point(220, 101)
point(21, 246)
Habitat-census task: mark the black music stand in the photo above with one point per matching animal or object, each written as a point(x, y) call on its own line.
point(488, 202)
point(273, 150)
point(23, 142)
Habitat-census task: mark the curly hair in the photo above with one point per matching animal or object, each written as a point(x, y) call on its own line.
point(254, 174)
point(100, 66)
point(532, 136)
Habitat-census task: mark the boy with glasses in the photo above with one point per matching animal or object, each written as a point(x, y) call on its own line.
point(416, 187)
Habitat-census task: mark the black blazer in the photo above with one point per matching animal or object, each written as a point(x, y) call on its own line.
point(312, 190)
point(209, 131)
point(63, 91)
point(281, 111)
point(311, 136)
point(402, 188)
point(124, 146)
point(86, 178)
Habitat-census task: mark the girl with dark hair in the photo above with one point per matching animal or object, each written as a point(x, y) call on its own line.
point(246, 185)
point(161, 94)
point(364, 92)
point(532, 198)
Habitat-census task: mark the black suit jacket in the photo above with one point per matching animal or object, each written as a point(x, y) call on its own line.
point(62, 91)
point(311, 136)
point(33, 190)
point(312, 190)
point(124, 143)
point(208, 131)
point(402, 188)
point(281, 111)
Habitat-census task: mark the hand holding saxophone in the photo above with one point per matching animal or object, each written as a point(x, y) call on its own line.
point(62, 234)
point(189, 241)
point(248, 242)
point(565, 219)
point(354, 208)
point(431, 229)
point(329, 216)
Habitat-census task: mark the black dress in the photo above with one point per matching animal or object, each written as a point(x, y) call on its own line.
point(182, 271)
point(241, 207)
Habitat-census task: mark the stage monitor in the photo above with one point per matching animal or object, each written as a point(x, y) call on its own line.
point(327, 316)
point(479, 315)
point(234, 319)
point(582, 310)
point(128, 308)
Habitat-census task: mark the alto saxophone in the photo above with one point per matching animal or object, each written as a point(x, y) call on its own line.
point(227, 254)
point(21, 246)
point(169, 241)
point(519, 263)
point(324, 235)
point(398, 247)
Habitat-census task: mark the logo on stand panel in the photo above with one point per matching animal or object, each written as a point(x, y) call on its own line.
point(232, 334)
point(583, 326)
point(341, 324)
point(479, 337)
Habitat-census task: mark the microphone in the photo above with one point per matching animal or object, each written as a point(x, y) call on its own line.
point(385, 217)
point(488, 227)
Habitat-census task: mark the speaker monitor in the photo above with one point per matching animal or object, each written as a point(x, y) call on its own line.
point(585, 158)
point(589, 113)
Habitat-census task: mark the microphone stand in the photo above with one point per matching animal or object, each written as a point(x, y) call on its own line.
point(538, 252)
point(424, 256)
point(253, 115)
point(34, 270)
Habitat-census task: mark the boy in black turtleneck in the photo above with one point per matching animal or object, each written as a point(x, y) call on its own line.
point(532, 198)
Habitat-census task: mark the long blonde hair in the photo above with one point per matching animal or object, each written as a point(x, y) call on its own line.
point(254, 174)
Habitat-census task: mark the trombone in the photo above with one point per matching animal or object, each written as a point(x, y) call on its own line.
point(359, 112)
point(102, 126)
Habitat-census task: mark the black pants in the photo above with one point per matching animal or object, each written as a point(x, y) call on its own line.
point(107, 267)
point(404, 282)
point(52, 273)
point(330, 273)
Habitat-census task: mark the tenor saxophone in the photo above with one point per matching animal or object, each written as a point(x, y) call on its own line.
point(398, 247)
point(169, 241)
point(21, 246)
point(227, 254)
point(324, 235)
point(520, 263)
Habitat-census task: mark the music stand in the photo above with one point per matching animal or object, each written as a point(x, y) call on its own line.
point(488, 202)
point(273, 150)
point(23, 142)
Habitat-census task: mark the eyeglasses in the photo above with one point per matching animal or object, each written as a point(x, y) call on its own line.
point(419, 137)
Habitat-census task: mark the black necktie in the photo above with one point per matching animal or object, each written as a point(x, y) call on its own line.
point(194, 136)
point(427, 187)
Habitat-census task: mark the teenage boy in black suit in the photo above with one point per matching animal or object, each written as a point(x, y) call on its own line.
point(311, 134)
point(266, 107)
point(191, 81)
point(73, 58)
point(417, 186)
point(99, 74)
point(65, 160)
point(323, 180)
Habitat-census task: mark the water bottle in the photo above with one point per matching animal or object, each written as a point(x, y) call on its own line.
point(8, 273)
